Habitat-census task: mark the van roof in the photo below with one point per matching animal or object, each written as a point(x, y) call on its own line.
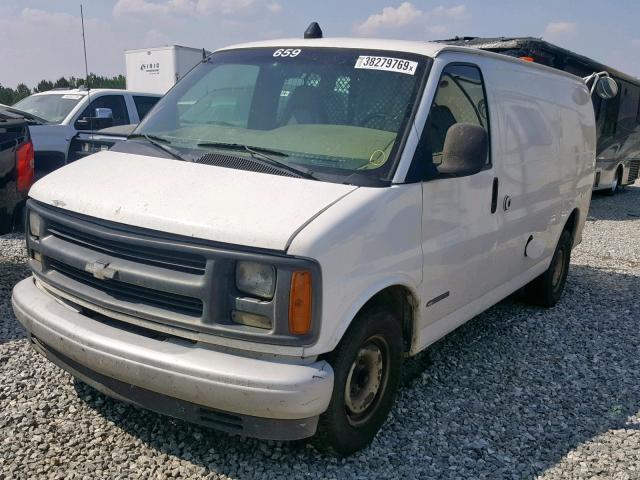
point(83, 92)
point(429, 49)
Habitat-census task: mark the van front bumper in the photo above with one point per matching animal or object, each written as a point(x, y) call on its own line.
point(263, 398)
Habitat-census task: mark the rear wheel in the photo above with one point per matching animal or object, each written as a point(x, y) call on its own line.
point(366, 364)
point(547, 289)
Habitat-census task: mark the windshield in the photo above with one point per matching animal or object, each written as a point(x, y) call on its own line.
point(51, 107)
point(332, 112)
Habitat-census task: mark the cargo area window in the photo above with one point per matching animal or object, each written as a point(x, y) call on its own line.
point(460, 98)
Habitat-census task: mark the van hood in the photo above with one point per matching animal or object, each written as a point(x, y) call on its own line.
point(201, 201)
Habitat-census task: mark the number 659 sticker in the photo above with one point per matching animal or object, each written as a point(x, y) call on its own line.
point(287, 52)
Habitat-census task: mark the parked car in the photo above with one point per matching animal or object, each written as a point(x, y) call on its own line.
point(264, 266)
point(63, 113)
point(16, 169)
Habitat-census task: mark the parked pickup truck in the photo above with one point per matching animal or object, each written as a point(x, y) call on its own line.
point(16, 168)
point(64, 113)
point(295, 217)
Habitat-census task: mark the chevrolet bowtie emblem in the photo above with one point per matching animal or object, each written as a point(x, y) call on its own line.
point(100, 270)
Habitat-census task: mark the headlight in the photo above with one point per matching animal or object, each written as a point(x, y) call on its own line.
point(257, 279)
point(35, 223)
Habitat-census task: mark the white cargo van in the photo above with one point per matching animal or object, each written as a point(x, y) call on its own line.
point(62, 114)
point(298, 216)
point(158, 69)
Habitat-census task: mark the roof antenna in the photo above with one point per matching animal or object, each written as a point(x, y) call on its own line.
point(204, 55)
point(86, 67)
point(84, 46)
point(313, 31)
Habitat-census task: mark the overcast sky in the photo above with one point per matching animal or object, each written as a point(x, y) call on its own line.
point(42, 38)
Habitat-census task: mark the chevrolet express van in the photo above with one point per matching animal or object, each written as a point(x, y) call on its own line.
point(295, 217)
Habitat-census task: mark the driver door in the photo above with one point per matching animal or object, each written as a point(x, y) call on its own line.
point(459, 223)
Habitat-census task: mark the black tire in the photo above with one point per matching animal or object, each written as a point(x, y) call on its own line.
point(344, 430)
point(19, 219)
point(547, 289)
point(617, 179)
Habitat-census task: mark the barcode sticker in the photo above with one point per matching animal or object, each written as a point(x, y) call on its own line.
point(388, 64)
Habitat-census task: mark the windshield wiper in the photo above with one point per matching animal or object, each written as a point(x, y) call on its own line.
point(158, 142)
point(260, 153)
point(239, 146)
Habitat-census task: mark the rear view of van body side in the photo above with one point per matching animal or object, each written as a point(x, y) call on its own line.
point(297, 216)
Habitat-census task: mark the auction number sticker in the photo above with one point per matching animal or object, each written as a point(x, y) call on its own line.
point(287, 52)
point(388, 64)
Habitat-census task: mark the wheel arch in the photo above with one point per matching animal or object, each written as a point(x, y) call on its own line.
point(402, 298)
point(571, 225)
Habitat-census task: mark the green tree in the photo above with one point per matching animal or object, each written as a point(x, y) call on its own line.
point(6, 95)
point(62, 83)
point(21, 91)
point(9, 96)
point(43, 86)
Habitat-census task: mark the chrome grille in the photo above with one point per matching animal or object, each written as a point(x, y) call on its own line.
point(163, 282)
point(132, 293)
point(174, 260)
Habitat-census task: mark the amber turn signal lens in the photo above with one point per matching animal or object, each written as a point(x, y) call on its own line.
point(300, 303)
point(527, 59)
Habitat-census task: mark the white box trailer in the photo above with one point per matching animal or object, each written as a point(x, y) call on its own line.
point(156, 70)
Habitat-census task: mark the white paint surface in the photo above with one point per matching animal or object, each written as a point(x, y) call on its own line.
point(201, 201)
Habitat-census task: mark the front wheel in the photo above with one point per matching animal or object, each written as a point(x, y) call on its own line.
point(366, 364)
point(615, 184)
point(547, 289)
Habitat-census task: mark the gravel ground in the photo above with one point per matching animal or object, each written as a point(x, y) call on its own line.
point(515, 393)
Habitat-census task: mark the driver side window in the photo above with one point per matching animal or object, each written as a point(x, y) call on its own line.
point(460, 98)
point(115, 103)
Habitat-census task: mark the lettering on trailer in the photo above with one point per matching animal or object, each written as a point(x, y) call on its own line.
point(150, 68)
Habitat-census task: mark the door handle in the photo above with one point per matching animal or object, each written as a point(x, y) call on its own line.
point(507, 202)
point(494, 195)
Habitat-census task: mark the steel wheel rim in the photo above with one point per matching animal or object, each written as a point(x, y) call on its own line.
point(558, 270)
point(367, 380)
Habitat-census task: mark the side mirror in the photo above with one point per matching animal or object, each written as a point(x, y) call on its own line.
point(83, 124)
point(103, 119)
point(104, 113)
point(606, 87)
point(465, 150)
